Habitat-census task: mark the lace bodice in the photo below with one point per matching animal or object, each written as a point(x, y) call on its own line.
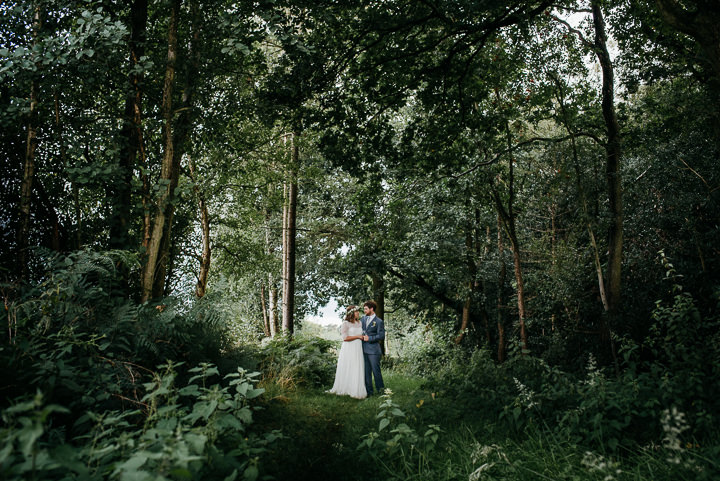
point(350, 329)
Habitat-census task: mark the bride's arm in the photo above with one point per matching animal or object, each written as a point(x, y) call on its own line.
point(344, 332)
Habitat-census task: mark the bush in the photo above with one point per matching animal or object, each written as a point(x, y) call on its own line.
point(192, 432)
point(296, 361)
point(79, 399)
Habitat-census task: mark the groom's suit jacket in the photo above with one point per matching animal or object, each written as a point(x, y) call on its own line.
point(375, 330)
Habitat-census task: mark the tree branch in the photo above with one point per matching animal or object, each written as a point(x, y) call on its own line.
point(420, 282)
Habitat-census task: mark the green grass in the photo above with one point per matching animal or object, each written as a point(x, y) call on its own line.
point(322, 432)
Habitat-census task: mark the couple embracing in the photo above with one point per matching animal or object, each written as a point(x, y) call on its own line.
point(359, 358)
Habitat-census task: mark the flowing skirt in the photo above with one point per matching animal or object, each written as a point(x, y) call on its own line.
point(350, 372)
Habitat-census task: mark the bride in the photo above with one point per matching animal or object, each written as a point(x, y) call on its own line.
point(350, 373)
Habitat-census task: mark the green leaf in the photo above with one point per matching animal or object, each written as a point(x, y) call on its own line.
point(251, 473)
point(27, 437)
point(133, 463)
point(384, 422)
point(232, 477)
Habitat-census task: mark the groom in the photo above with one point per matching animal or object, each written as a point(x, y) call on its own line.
point(373, 332)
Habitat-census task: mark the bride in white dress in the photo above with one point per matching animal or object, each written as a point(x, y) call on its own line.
point(350, 372)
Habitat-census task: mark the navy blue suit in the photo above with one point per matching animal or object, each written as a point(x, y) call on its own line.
point(372, 351)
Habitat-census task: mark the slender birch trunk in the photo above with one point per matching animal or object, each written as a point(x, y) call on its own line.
point(181, 136)
point(272, 312)
point(290, 238)
point(273, 309)
point(205, 258)
point(167, 173)
point(266, 319)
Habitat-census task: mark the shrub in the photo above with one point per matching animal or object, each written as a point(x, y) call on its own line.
point(297, 361)
point(398, 449)
point(200, 430)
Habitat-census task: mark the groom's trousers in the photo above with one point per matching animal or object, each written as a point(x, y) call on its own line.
point(372, 369)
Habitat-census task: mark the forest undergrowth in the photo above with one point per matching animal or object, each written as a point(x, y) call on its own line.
point(96, 386)
point(416, 433)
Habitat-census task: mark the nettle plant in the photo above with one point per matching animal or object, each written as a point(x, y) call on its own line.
point(191, 432)
point(396, 447)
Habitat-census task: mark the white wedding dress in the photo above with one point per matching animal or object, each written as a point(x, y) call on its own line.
point(350, 372)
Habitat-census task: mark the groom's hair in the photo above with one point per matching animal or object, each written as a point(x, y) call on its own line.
point(371, 305)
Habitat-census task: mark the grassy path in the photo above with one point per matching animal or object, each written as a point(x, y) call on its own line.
point(323, 430)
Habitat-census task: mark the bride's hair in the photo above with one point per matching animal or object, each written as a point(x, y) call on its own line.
point(350, 314)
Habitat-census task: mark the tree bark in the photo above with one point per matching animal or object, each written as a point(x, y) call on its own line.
point(131, 133)
point(581, 190)
point(614, 156)
point(182, 131)
point(507, 216)
point(272, 313)
point(613, 149)
point(508, 225)
point(201, 286)
point(273, 308)
point(378, 287)
point(266, 320)
point(500, 290)
point(149, 276)
point(26, 187)
point(472, 272)
point(288, 302)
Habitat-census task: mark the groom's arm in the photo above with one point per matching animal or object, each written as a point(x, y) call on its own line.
point(381, 331)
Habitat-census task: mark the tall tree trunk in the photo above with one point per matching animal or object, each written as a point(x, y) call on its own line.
point(378, 287)
point(205, 257)
point(472, 273)
point(288, 326)
point(130, 134)
point(270, 250)
point(26, 188)
point(581, 189)
point(182, 131)
point(284, 268)
point(500, 290)
point(45, 210)
point(266, 319)
point(273, 308)
point(78, 215)
point(478, 284)
point(149, 276)
point(507, 216)
point(614, 156)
